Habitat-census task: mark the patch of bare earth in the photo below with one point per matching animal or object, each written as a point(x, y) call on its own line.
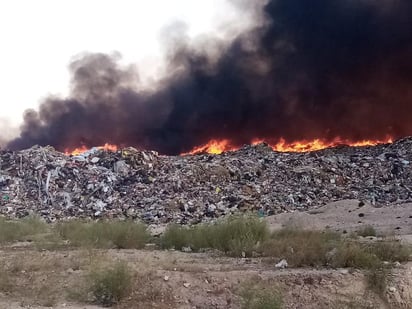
point(169, 279)
point(57, 277)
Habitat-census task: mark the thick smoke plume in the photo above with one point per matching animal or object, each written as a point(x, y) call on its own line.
point(313, 69)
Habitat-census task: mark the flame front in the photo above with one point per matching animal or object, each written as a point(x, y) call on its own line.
point(213, 147)
point(79, 150)
point(318, 144)
point(217, 147)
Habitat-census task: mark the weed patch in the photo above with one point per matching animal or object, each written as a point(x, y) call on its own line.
point(105, 234)
point(302, 248)
point(236, 236)
point(367, 231)
point(355, 255)
point(111, 284)
point(390, 250)
point(19, 230)
point(324, 248)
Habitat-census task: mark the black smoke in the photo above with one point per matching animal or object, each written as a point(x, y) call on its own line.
point(313, 69)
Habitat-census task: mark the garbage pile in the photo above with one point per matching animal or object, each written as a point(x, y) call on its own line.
point(189, 189)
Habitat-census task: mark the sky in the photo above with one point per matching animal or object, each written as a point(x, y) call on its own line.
point(39, 38)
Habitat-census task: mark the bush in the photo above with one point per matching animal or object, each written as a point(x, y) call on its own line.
point(390, 250)
point(235, 235)
point(105, 234)
point(300, 247)
point(323, 248)
point(367, 231)
point(356, 255)
point(238, 235)
point(109, 286)
point(178, 237)
point(19, 230)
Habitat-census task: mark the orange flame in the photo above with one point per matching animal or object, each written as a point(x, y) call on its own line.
point(217, 147)
point(318, 144)
point(213, 147)
point(79, 150)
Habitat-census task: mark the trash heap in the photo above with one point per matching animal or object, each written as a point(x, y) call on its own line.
point(190, 189)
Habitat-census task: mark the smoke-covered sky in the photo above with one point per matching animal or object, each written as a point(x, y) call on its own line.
point(292, 69)
point(39, 39)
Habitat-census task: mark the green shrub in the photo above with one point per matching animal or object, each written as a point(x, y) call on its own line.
point(110, 285)
point(235, 235)
point(104, 234)
point(238, 235)
point(177, 237)
point(129, 235)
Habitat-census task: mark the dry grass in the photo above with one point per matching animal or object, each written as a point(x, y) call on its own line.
point(104, 234)
point(301, 248)
point(354, 255)
point(41, 278)
point(20, 230)
point(325, 248)
point(235, 236)
point(390, 250)
point(260, 296)
point(316, 248)
point(33, 278)
point(377, 279)
point(367, 231)
point(111, 284)
point(149, 292)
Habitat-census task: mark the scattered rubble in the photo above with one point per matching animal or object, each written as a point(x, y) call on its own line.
point(189, 189)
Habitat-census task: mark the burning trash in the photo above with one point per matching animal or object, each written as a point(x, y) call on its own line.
point(128, 183)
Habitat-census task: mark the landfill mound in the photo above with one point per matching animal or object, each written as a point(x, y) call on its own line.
point(190, 189)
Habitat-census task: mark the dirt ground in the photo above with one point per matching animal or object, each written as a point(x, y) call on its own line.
point(171, 279)
point(349, 216)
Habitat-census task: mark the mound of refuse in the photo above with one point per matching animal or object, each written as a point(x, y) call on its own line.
point(189, 189)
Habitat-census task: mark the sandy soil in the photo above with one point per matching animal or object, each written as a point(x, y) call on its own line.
point(350, 216)
point(185, 280)
point(171, 279)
